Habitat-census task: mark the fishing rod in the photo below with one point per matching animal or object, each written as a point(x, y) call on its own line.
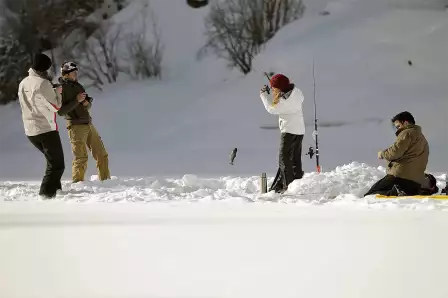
point(315, 122)
point(269, 81)
point(311, 151)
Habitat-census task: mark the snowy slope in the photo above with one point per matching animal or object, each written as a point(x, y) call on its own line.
point(193, 118)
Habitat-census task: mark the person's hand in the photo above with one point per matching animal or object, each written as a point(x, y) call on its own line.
point(380, 155)
point(85, 103)
point(265, 88)
point(81, 97)
point(59, 90)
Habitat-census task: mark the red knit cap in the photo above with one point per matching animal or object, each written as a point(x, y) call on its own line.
point(281, 82)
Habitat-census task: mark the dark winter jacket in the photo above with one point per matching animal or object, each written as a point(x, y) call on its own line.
point(408, 156)
point(74, 112)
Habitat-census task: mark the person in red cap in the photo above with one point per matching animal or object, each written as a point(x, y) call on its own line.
point(286, 102)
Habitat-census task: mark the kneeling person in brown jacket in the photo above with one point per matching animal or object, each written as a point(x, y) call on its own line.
point(75, 108)
point(407, 160)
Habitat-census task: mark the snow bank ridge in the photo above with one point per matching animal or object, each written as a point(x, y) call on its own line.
point(345, 185)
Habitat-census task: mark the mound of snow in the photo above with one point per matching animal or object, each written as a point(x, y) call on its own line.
point(344, 185)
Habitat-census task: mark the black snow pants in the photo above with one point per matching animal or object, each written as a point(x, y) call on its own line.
point(50, 145)
point(290, 162)
point(385, 186)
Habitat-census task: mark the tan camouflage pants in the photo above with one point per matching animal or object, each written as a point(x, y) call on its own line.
point(81, 138)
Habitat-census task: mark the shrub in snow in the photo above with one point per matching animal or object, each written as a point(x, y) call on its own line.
point(96, 55)
point(236, 30)
point(120, 4)
point(145, 54)
point(103, 50)
point(31, 26)
point(197, 3)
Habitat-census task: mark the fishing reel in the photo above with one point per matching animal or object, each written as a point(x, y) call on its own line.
point(311, 152)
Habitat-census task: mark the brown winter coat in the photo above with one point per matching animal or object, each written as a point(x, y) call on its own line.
point(74, 112)
point(408, 156)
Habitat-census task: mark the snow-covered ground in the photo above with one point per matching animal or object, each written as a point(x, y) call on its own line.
point(345, 185)
point(178, 221)
point(220, 249)
point(197, 237)
point(193, 237)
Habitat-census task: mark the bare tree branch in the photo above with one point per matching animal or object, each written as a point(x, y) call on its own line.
point(97, 55)
point(145, 56)
point(237, 30)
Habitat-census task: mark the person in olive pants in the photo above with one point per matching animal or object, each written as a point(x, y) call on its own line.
point(82, 133)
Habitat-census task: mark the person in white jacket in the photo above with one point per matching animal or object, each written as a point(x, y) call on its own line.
point(40, 102)
point(287, 103)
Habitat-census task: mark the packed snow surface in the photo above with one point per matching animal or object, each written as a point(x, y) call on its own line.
point(202, 238)
point(345, 185)
point(218, 237)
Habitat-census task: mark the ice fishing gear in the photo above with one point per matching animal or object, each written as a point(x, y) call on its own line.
point(233, 155)
point(264, 183)
point(310, 152)
point(269, 82)
point(268, 90)
point(315, 123)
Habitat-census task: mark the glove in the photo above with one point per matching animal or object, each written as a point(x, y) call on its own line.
point(265, 89)
point(380, 155)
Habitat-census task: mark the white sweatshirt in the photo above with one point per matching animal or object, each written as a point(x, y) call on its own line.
point(39, 103)
point(289, 111)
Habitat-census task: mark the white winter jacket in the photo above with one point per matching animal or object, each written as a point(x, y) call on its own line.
point(39, 103)
point(289, 111)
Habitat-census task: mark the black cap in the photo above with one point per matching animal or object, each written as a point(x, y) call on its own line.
point(41, 62)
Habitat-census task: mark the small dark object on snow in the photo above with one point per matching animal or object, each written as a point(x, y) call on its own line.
point(310, 152)
point(233, 155)
point(410, 62)
point(264, 183)
point(197, 3)
point(429, 185)
point(445, 190)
